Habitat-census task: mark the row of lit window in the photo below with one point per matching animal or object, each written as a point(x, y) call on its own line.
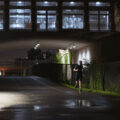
point(47, 19)
point(53, 3)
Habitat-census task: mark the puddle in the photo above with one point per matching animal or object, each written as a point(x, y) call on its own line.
point(36, 107)
point(69, 92)
point(76, 103)
point(39, 107)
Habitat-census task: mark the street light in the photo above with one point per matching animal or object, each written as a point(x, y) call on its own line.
point(36, 46)
point(72, 46)
point(46, 2)
point(98, 3)
point(72, 3)
point(19, 2)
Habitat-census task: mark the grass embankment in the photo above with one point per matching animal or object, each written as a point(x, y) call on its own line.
point(94, 91)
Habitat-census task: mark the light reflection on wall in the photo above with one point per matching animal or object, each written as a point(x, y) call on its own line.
point(68, 56)
point(84, 55)
point(65, 59)
point(64, 54)
point(0, 73)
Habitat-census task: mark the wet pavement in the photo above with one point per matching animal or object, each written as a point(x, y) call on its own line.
point(36, 98)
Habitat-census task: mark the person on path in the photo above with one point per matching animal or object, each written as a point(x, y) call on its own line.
point(78, 75)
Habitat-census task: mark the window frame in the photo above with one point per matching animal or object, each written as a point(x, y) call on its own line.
point(59, 16)
point(47, 8)
point(99, 21)
point(103, 2)
point(80, 14)
point(100, 8)
point(46, 16)
point(22, 8)
point(73, 8)
point(2, 14)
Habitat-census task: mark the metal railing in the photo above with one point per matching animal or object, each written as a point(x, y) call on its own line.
point(98, 76)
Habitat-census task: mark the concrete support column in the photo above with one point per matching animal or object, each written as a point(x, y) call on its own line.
point(6, 17)
point(59, 16)
point(112, 17)
point(86, 16)
point(34, 21)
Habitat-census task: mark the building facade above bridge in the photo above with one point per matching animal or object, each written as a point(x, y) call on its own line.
point(57, 15)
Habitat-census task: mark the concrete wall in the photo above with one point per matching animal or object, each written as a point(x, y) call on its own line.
point(88, 53)
point(110, 47)
point(97, 76)
point(105, 49)
point(117, 16)
point(81, 54)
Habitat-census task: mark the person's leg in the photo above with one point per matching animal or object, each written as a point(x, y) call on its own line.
point(80, 81)
point(80, 84)
point(76, 83)
point(76, 80)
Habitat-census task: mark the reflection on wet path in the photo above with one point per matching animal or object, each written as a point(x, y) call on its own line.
point(78, 103)
point(46, 103)
point(8, 99)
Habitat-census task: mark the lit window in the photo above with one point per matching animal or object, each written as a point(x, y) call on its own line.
point(20, 3)
point(1, 20)
point(46, 3)
point(46, 20)
point(20, 14)
point(104, 20)
point(1, 15)
point(20, 19)
point(72, 4)
point(73, 19)
point(99, 20)
point(47, 17)
point(99, 4)
point(93, 19)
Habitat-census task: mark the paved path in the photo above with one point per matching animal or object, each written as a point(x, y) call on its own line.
point(36, 98)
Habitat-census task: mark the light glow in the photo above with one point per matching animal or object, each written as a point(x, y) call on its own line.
point(68, 56)
point(36, 107)
point(84, 55)
point(98, 3)
point(17, 26)
point(36, 46)
point(0, 73)
point(8, 99)
point(104, 16)
point(19, 2)
point(72, 3)
point(63, 54)
point(46, 2)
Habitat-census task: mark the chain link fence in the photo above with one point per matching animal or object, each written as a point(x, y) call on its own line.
point(97, 76)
